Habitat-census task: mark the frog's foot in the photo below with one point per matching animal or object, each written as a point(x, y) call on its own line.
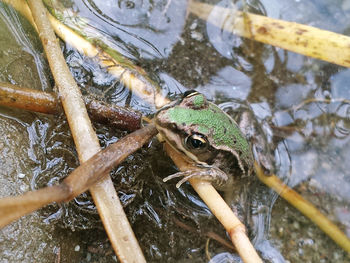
point(210, 174)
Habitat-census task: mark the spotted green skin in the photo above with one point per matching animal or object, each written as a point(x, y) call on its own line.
point(213, 122)
point(192, 115)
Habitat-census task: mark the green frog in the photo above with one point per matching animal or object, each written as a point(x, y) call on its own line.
point(221, 153)
point(207, 137)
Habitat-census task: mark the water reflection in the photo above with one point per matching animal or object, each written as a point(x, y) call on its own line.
point(26, 53)
point(229, 83)
point(151, 27)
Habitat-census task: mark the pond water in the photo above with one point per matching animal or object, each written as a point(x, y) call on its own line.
point(285, 91)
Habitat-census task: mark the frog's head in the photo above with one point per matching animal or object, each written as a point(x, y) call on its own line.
point(200, 130)
point(178, 124)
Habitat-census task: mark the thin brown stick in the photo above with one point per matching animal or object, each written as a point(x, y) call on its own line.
point(12, 208)
point(105, 160)
point(107, 202)
point(47, 102)
point(113, 115)
point(58, 255)
point(28, 99)
point(81, 179)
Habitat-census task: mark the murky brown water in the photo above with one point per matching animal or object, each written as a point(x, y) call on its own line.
point(180, 51)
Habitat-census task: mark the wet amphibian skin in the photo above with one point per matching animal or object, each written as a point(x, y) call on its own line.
point(207, 137)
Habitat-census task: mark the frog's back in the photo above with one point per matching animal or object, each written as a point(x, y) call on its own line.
point(228, 134)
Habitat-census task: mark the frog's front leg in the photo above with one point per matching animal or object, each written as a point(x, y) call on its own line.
point(208, 173)
point(220, 180)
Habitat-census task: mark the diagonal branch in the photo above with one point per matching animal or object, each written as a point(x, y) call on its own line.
point(78, 181)
point(220, 209)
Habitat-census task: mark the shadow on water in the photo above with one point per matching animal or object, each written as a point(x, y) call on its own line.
point(284, 91)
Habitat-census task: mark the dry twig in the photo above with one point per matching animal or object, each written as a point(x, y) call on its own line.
point(47, 102)
point(81, 179)
point(103, 193)
point(220, 209)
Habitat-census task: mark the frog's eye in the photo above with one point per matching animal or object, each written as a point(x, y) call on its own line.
point(196, 142)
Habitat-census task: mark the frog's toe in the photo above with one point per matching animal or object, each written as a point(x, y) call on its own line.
point(187, 175)
point(215, 176)
point(183, 180)
point(172, 176)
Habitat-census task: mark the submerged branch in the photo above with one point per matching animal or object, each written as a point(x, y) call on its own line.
point(77, 182)
point(47, 102)
point(209, 234)
point(130, 75)
point(305, 207)
point(114, 115)
point(28, 99)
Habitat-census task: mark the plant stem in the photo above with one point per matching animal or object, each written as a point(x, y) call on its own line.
point(86, 141)
point(305, 207)
point(220, 209)
point(306, 40)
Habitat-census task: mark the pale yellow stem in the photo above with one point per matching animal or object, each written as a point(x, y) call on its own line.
point(228, 219)
point(140, 85)
point(220, 209)
point(103, 193)
point(306, 40)
point(305, 207)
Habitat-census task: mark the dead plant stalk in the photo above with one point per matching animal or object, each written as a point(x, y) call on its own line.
point(103, 193)
point(78, 181)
